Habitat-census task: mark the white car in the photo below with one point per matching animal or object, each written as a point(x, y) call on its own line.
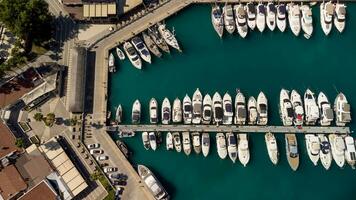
point(96, 151)
point(110, 169)
point(93, 146)
point(102, 157)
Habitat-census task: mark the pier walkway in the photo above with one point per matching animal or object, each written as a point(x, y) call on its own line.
point(231, 128)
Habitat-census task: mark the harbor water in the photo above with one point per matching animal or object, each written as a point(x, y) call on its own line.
point(265, 62)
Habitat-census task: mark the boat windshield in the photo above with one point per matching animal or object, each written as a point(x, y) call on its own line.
point(290, 112)
point(187, 108)
point(263, 108)
point(282, 9)
point(219, 112)
point(228, 107)
point(241, 112)
point(232, 139)
point(152, 137)
point(207, 112)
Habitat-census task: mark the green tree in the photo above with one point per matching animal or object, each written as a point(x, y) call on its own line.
point(38, 116)
point(20, 143)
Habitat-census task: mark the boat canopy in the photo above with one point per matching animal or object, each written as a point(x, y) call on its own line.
point(329, 114)
point(346, 107)
point(251, 8)
point(228, 107)
point(282, 9)
point(329, 9)
point(342, 10)
point(241, 112)
point(241, 11)
point(272, 7)
point(232, 139)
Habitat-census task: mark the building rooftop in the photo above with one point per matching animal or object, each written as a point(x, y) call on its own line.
point(7, 141)
point(11, 182)
point(42, 191)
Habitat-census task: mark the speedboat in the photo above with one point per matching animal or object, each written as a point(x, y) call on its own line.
point(118, 116)
point(307, 19)
point(243, 149)
point(294, 18)
point(342, 110)
point(229, 18)
point(197, 107)
point(120, 53)
point(297, 103)
point(311, 108)
point(326, 113)
point(241, 20)
point(153, 111)
point(350, 152)
point(271, 16)
point(145, 140)
point(152, 183)
point(252, 111)
point(176, 141)
point(187, 110)
point(281, 17)
point(157, 38)
point(217, 108)
point(340, 16)
point(292, 151)
point(205, 143)
point(326, 16)
point(136, 112)
point(159, 138)
point(240, 108)
point(227, 107)
point(285, 108)
point(313, 147)
point(111, 64)
point(325, 151)
point(186, 143)
point(261, 17)
point(132, 55)
point(196, 142)
point(231, 146)
point(151, 45)
point(272, 147)
point(169, 141)
point(177, 111)
point(141, 49)
point(166, 111)
point(262, 109)
point(217, 20)
point(153, 140)
point(337, 149)
point(251, 15)
point(221, 145)
point(207, 109)
point(168, 36)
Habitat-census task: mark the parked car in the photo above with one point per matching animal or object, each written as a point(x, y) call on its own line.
point(102, 157)
point(118, 176)
point(93, 146)
point(96, 151)
point(110, 169)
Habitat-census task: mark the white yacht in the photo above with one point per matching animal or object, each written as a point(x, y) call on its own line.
point(292, 151)
point(232, 146)
point(205, 143)
point(217, 108)
point(177, 111)
point(294, 18)
point(307, 20)
point(227, 107)
point(153, 111)
point(262, 109)
point(141, 49)
point(342, 110)
point(297, 104)
point(252, 111)
point(337, 149)
point(120, 53)
point(271, 16)
point(168, 36)
point(243, 149)
point(272, 148)
point(187, 110)
point(151, 45)
point(221, 145)
point(111, 64)
point(207, 109)
point(152, 183)
point(166, 111)
point(326, 113)
point(157, 38)
point(350, 152)
point(229, 18)
point(285, 108)
point(186, 143)
point(240, 108)
point(310, 107)
point(241, 20)
point(176, 141)
point(136, 112)
point(326, 16)
point(169, 141)
point(196, 142)
point(282, 17)
point(132, 55)
point(118, 116)
point(145, 140)
point(340, 16)
point(217, 20)
point(325, 151)
point(153, 140)
point(261, 17)
point(313, 147)
point(197, 106)
point(251, 15)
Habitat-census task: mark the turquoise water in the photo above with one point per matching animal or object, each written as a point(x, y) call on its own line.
point(267, 62)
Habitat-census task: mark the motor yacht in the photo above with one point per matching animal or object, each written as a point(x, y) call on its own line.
point(132, 55)
point(243, 149)
point(282, 17)
point(240, 109)
point(169, 141)
point(252, 111)
point(166, 111)
point(342, 110)
point(271, 16)
point(145, 140)
point(168, 36)
point(325, 151)
point(241, 20)
point(217, 108)
point(196, 142)
point(187, 147)
point(153, 140)
point(217, 20)
point(141, 48)
point(221, 145)
point(307, 20)
point(292, 151)
point(136, 112)
point(207, 109)
point(272, 148)
point(337, 149)
point(118, 116)
point(232, 146)
point(187, 110)
point(251, 15)
point(176, 141)
point(285, 108)
point(350, 152)
point(157, 38)
point(262, 109)
point(120, 53)
point(326, 16)
point(325, 110)
point(294, 18)
point(298, 109)
point(313, 147)
point(152, 183)
point(151, 45)
point(261, 17)
point(153, 111)
point(227, 108)
point(340, 16)
point(177, 114)
point(111, 64)
point(205, 143)
point(197, 106)
point(311, 108)
point(229, 18)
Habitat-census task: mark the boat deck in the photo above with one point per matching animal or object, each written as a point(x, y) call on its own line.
point(231, 128)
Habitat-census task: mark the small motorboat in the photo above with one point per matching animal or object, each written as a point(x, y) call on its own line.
point(187, 147)
point(120, 53)
point(205, 144)
point(145, 140)
point(196, 142)
point(232, 146)
point(177, 142)
point(153, 141)
point(169, 141)
point(221, 145)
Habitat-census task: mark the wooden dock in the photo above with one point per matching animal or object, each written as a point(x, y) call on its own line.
point(230, 128)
